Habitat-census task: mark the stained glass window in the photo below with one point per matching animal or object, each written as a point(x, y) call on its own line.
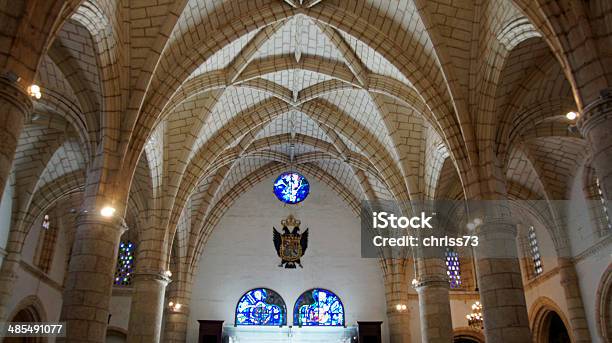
point(535, 251)
point(453, 269)
point(318, 307)
point(291, 187)
point(125, 264)
point(261, 306)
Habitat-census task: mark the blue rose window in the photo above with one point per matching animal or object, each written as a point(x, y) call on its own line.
point(291, 187)
point(261, 306)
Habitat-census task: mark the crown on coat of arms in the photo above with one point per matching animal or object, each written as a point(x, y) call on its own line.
point(290, 221)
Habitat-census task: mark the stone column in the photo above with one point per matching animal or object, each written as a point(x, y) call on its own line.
point(501, 287)
point(175, 322)
point(396, 291)
point(595, 124)
point(8, 277)
point(15, 109)
point(434, 301)
point(576, 314)
point(91, 272)
point(146, 312)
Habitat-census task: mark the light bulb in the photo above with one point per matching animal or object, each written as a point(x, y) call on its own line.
point(34, 91)
point(571, 115)
point(107, 211)
point(170, 304)
point(177, 306)
point(398, 307)
point(168, 273)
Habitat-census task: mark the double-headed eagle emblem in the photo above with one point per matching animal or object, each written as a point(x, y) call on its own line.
point(290, 245)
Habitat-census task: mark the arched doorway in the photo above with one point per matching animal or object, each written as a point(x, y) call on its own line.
point(467, 335)
point(557, 332)
point(464, 340)
point(603, 311)
point(29, 315)
point(548, 324)
point(116, 335)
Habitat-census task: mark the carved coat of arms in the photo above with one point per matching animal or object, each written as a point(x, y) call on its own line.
point(291, 244)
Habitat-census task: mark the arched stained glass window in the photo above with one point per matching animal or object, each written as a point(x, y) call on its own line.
point(535, 251)
point(125, 264)
point(453, 269)
point(318, 307)
point(261, 306)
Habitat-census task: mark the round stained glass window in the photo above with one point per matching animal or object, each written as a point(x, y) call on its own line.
point(291, 187)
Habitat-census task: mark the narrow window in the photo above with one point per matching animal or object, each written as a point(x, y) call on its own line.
point(125, 264)
point(535, 251)
point(47, 240)
point(453, 269)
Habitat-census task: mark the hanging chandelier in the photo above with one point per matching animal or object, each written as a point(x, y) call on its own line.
point(475, 319)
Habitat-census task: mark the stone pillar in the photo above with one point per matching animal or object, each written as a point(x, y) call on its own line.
point(396, 291)
point(595, 124)
point(146, 312)
point(15, 109)
point(175, 322)
point(576, 314)
point(175, 330)
point(91, 272)
point(501, 287)
point(8, 277)
point(434, 301)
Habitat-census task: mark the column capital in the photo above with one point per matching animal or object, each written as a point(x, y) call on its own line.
point(89, 217)
point(501, 227)
point(431, 281)
point(151, 275)
point(595, 113)
point(14, 93)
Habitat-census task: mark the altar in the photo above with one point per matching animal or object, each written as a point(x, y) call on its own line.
point(285, 334)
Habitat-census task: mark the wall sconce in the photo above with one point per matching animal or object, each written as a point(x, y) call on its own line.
point(107, 211)
point(34, 91)
point(571, 115)
point(474, 224)
point(174, 307)
point(401, 307)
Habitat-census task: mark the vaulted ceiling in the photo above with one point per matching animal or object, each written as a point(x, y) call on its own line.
point(193, 101)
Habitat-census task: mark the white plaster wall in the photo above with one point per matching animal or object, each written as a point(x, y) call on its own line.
point(582, 237)
point(5, 216)
point(28, 284)
point(120, 310)
point(590, 270)
point(240, 256)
